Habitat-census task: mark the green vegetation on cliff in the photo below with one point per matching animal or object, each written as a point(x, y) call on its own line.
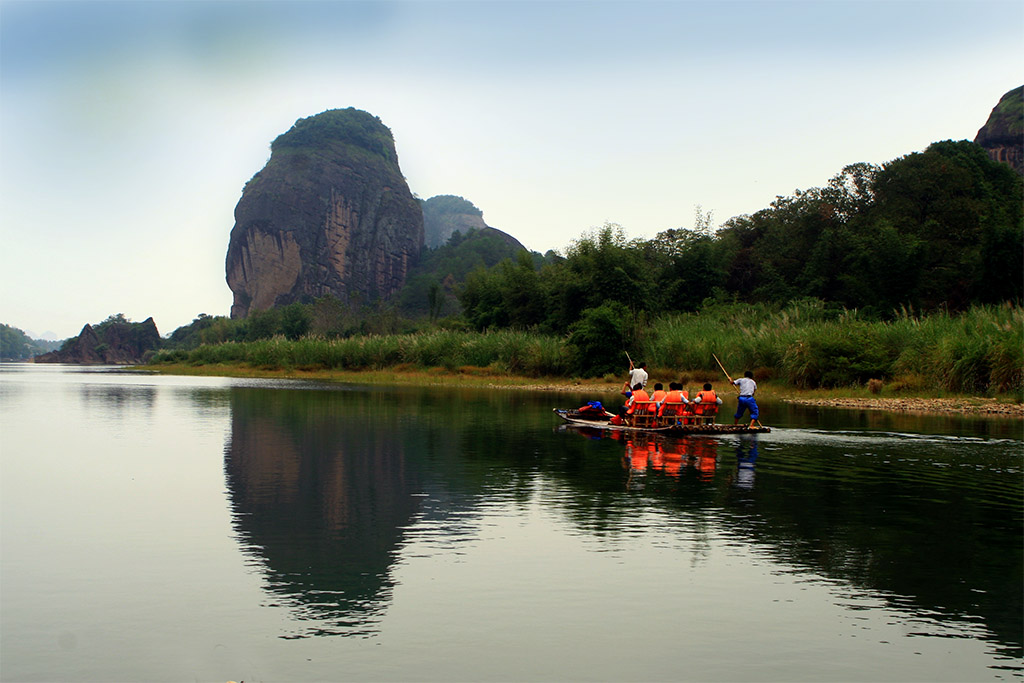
point(347, 126)
point(1005, 125)
point(447, 204)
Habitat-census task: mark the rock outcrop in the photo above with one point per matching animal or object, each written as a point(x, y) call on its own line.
point(1003, 134)
point(330, 213)
point(446, 214)
point(109, 343)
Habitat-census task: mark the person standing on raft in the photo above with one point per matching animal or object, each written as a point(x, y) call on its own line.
point(637, 374)
point(745, 402)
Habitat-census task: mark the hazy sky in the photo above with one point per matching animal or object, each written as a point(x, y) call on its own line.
point(127, 129)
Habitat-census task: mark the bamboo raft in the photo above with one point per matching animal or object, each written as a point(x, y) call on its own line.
point(576, 419)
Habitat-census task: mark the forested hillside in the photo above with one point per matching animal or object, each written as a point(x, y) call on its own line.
point(941, 229)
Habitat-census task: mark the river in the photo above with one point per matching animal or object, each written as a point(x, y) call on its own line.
point(178, 528)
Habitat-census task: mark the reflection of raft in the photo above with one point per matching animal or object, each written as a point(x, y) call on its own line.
point(577, 418)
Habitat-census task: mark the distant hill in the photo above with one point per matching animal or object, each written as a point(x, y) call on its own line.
point(15, 344)
point(446, 214)
point(445, 268)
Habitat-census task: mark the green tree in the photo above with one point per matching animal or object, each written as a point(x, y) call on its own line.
point(597, 340)
point(965, 213)
point(295, 320)
point(263, 324)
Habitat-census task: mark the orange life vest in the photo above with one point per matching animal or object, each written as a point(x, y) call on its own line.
point(708, 403)
point(639, 395)
point(674, 396)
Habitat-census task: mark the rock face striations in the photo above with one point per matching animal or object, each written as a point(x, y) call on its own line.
point(330, 213)
point(1003, 133)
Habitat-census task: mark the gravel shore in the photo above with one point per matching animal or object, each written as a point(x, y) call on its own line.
point(984, 406)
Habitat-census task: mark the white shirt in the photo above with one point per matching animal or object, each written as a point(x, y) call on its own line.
point(637, 376)
point(747, 386)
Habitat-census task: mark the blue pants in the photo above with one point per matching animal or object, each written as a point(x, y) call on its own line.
point(746, 403)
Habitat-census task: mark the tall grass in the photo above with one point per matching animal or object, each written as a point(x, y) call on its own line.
point(506, 351)
point(805, 345)
point(980, 351)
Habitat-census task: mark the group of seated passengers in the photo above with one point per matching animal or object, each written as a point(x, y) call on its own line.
point(672, 403)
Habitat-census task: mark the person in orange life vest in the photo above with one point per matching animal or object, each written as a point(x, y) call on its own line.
point(675, 394)
point(707, 401)
point(658, 396)
point(637, 394)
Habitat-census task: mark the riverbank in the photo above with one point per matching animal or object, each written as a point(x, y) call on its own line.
point(852, 398)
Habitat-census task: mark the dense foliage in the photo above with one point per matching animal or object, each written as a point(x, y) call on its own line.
point(433, 285)
point(940, 229)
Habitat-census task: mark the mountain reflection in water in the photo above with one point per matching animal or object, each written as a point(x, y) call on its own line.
point(320, 494)
point(328, 487)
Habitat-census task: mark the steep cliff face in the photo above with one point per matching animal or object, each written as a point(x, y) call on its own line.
point(330, 213)
point(1003, 133)
point(445, 214)
point(110, 343)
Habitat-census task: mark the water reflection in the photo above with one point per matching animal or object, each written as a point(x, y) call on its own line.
point(915, 517)
point(330, 488)
point(746, 458)
point(319, 499)
point(670, 456)
point(114, 402)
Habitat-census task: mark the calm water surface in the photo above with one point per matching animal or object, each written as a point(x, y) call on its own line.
point(175, 529)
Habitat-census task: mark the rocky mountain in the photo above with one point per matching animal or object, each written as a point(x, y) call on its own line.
point(329, 213)
point(115, 341)
point(446, 214)
point(1003, 133)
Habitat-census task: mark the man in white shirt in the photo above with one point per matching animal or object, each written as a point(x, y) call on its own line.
point(747, 387)
point(638, 375)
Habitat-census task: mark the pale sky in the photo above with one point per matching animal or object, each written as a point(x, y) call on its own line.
point(128, 129)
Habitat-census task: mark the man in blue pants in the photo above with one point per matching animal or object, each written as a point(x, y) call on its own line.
point(747, 387)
